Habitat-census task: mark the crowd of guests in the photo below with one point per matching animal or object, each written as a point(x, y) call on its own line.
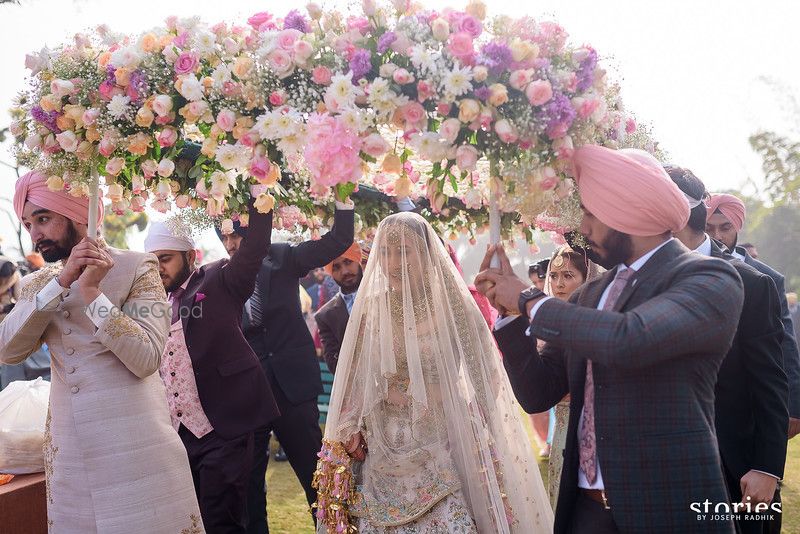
point(653, 345)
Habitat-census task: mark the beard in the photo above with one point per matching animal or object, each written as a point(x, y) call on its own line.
point(61, 249)
point(618, 248)
point(181, 277)
point(353, 286)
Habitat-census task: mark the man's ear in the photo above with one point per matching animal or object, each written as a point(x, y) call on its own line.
point(191, 258)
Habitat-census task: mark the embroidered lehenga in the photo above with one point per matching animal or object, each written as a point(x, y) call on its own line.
point(419, 377)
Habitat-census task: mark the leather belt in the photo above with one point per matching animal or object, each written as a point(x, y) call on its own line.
point(597, 496)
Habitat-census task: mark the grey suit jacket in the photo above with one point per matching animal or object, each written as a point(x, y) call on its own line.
point(655, 362)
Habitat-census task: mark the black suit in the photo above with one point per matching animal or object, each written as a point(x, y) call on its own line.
point(791, 354)
point(287, 353)
point(752, 417)
point(332, 321)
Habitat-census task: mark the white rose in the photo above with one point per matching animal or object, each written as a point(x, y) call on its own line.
point(165, 169)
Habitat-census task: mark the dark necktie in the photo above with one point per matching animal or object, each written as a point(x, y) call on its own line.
point(256, 310)
point(176, 304)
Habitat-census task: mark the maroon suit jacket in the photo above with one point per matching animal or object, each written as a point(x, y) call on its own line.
point(232, 386)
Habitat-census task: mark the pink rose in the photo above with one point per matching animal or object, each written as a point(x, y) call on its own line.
point(288, 37)
point(402, 76)
point(471, 25)
point(375, 145)
point(549, 179)
point(162, 105)
point(281, 61)
point(226, 120)
point(505, 131)
point(108, 90)
point(361, 24)
point(186, 63)
point(630, 125)
point(539, 92)
point(89, 116)
point(198, 108)
point(302, 51)
point(276, 98)
point(425, 90)
point(51, 146)
point(466, 157)
point(165, 169)
point(520, 78)
point(149, 168)
point(114, 166)
point(137, 204)
point(443, 109)
point(68, 141)
point(460, 46)
point(449, 129)
point(107, 146)
point(167, 137)
point(321, 75)
point(260, 167)
point(441, 29)
point(414, 115)
point(260, 19)
point(160, 205)
point(585, 106)
point(137, 185)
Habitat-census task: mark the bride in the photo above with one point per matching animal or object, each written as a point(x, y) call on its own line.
point(423, 433)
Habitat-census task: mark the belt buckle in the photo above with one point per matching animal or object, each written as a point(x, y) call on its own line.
point(605, 500)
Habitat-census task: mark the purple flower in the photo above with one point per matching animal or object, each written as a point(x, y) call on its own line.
point(558, 115)
point(586, 70)
point(385, 41)
point(495, 56)
point(48, 119)
point(294, 20)
point(137, 87)
point(111, 75)
point(360, 64)
point(482, 93)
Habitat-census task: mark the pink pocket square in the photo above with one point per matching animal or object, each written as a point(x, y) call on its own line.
point(199, 297)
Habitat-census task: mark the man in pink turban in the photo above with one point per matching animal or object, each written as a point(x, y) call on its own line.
point(103, 314)
point(642, 386)
point(725, 218)
point(66, 216)
point(726, 215)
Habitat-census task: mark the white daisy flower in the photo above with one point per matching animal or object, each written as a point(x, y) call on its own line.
point(458, 81)
point(118, 106)
point(233, 156)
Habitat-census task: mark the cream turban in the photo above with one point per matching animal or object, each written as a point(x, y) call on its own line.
point(162, 237)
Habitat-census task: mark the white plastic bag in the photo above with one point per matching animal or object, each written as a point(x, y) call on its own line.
point(23, 414)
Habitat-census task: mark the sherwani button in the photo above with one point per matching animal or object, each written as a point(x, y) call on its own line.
point(74, 389)
point(172, 373)
point(70, 351)
point(180, 414)
point(176, 393)
point(66, 314)
point(67, 331)
point(71, 370)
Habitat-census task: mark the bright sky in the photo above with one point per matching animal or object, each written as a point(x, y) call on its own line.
point(693, 69)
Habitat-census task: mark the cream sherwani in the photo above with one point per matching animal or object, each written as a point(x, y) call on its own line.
point(114, 464)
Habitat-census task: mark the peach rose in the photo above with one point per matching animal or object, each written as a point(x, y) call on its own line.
point(468, 110)
point(139, 143)
point(498, 94)
point(114, 166)
point(264, 203)
point(242, 67)
point(441, 29)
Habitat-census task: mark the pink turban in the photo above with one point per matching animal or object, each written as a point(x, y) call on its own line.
point(33, 187)
point(730, 206)
point(629, 191)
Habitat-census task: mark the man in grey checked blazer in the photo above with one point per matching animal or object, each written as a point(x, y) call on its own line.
point(639, 356)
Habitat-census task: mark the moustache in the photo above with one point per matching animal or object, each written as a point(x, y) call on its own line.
point(45, 243)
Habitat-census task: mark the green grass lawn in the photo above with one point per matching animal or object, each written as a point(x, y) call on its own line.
point(288, 511)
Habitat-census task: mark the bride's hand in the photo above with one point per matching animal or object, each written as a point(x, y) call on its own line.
point(356, 447)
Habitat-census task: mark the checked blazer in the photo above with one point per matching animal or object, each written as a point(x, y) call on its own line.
point(655, 362)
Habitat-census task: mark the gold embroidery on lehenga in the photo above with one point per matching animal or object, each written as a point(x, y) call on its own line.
point(39, 280)
point(148, 285)
point(119, 325)
point(195, 526)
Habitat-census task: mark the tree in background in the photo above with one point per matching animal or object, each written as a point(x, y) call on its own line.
point(115, 227)
point(780, 159)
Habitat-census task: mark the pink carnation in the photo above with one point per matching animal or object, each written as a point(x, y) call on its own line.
point(460, 47)
point(332, 151)
point(261, 21)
